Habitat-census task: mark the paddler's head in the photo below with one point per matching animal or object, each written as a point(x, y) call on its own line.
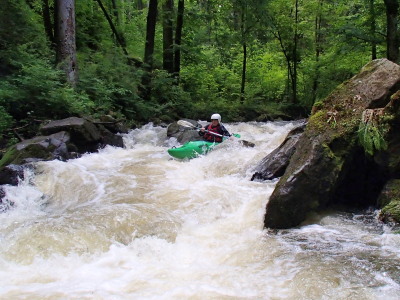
point(215, 119)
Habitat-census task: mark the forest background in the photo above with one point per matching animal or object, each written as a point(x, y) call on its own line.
point(162, 60)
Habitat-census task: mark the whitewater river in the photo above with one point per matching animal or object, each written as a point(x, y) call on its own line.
point(133, 223)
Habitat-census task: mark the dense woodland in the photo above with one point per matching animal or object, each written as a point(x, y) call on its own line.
point(160, 60)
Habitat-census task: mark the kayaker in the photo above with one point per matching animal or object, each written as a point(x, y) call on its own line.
point(214, 127)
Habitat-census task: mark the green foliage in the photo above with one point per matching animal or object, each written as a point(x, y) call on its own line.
point(169, 100)
point(211, 65)
point(30, 87)
point(371, 137)
point(36, 89)
point(109, 82)
point(5, 120)
point(266, 78)
point(93, 30)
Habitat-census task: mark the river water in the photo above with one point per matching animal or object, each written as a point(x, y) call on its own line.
point(133, 223)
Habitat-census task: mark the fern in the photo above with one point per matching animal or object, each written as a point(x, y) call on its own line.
point(371, 137)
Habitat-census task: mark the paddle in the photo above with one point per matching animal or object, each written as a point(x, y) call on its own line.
point(190, 125)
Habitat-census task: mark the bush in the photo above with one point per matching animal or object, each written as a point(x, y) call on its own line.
point(5, 120)
point(36, 90)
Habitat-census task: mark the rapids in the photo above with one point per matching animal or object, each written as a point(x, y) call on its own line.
point(133, 223)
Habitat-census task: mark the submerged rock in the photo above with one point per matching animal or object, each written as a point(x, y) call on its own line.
point(12, 174)
point(329, 165)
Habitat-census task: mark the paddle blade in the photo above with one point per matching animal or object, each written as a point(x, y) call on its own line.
point(186, 124)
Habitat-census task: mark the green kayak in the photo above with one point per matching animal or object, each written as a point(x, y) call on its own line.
point(193, 149)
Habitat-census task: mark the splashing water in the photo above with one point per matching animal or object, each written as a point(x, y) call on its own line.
point(135, 224)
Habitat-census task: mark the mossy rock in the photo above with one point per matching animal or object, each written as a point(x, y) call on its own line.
point(327, 156)
point(17, 157)
point(389, 201)
point(38, 148)
point(8, 157)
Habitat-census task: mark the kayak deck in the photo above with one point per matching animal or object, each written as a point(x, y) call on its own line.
point(193, 149)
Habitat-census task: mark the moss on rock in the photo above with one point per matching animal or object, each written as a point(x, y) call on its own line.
point(8, 157)
point(389, 201)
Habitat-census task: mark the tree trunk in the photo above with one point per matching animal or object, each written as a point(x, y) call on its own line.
point(168, 54)
point(115, 11)
point(140, 5)
point(372, 22)
point(288, 64)
point(318, 49)
point(295, 58)
point(56, 30)
point(48, 25)
point(66, 45)
point(120, 39)
point(150, 34)
point(244, 45)
point(244, 66)
point(392, 39)
point(178, 38)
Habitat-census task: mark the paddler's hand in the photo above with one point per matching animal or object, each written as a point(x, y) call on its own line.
point(202, 129)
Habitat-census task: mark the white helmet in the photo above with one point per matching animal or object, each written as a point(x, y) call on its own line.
point(216, 117)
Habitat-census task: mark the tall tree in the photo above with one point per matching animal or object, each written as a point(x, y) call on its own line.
point(285, 29)
point(295, 51)
point(247, 16)
point(66, 44)
point(243, 32)
point(48, 25)
point(392, 35)
point(150, 33)
point(372, 24)
point(318, 46)
point(139, 5)
point(168, 38)
point(118, 36)
point(178, 37)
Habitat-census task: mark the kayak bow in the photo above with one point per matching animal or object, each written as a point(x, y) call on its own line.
point(193, 149)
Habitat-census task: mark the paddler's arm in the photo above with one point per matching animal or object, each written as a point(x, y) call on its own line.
point(224, 131)
point(202, 131)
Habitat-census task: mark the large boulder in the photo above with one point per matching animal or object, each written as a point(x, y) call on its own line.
point(112, 124)
point(84, 134)
point(61, 139)
point(329, 164)
point(49, 147)
point(274, 164)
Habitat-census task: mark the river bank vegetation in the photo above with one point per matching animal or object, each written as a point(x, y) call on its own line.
point(159, 61)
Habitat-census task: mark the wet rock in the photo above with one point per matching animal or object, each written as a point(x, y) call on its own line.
point(109, 138)
point(184, 134)
point(5, 204)
point(111, 124)
point(389, 201)
point(325, 154)
point(274, 164)
point(387, 122)
point(38, 148)
point(83, 134)
point(247, 143)
point(12, 174)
